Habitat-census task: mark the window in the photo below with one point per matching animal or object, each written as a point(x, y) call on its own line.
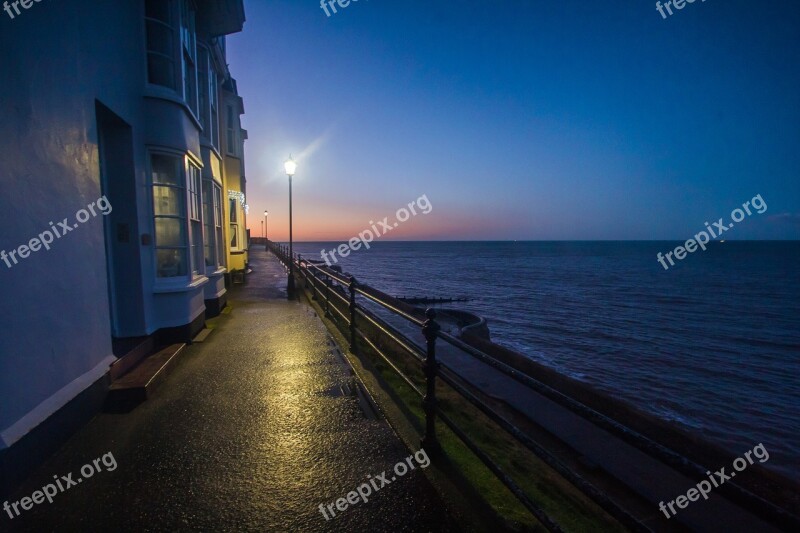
point(231, 131)
point(189, 53)
point(212, 220)
point(160, 43)
point(203, 88)
point(169, 212)
point(234, 224)
point(195, 218)
point(221, 259)
point(210, 254)
point(167, 21)
point(213, 100)
point(207, 80)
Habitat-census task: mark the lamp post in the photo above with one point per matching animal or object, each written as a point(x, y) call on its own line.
point(262, 229)
point(290, 166)
point(266, 231)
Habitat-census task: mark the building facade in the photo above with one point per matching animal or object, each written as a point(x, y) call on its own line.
point(235, 180)
point(113, 121)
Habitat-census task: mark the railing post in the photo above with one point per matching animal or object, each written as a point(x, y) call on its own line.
point(303, 274)
point(352, 288)
point(313, 272)
point(327, 296)
point(430, 329)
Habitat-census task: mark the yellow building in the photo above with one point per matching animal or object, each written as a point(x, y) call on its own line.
point(234, 180)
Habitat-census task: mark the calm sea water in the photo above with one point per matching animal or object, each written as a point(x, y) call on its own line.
point(712, 344)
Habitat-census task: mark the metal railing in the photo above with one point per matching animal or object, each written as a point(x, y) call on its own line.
point(338, 295)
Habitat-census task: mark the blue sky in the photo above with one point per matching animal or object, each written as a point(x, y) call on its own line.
point(522, 119)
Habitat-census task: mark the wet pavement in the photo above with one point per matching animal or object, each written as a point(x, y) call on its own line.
point(252, 431)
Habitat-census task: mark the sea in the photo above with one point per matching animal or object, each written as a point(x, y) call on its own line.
point(712, 344)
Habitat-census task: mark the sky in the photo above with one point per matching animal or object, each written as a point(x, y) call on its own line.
point(521, 120)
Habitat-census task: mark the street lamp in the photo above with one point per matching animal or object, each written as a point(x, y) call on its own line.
point(266, 231)
point(262, 229)
point(290, 166)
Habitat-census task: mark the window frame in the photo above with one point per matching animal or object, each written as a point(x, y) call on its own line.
point(194, 217)
point(208, 95)
point(213, 241)
point(233, 225)
point(222, 258)
point(183, 57)
point(171, 27)
point(188, 51)
point(231, 127)
point(181, 216)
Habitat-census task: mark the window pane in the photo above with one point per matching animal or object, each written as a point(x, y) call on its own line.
point(208, 224)
point(231, 134)
point(232, 205)
point(160, 71)
point(166, 169)
point(203, 88)
point(166, 200)
point(234, 236)
point(217, 207)
point(220, 249)
point(171, 263)
point(189, 83)
point(169, 232)
point(157, 9)
point(197, 248)
point(159, 38)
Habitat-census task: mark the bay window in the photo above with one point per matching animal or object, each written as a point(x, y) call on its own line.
point(178, 216)
point(172, 48)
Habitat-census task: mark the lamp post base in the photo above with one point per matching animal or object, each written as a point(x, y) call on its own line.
point(290, 286)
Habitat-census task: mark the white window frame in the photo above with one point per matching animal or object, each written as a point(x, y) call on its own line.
point(194, 215)
point(171, 27)
point(231, 127)
point(234, 225)
point(188, 51)
point(208, 95)
point(214, 256)
point(181, 216)
point(183, 56)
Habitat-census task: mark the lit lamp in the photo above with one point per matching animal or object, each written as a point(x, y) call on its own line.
point(266, 231)
point(290, 167)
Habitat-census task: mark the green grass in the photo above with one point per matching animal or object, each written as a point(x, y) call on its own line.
point(557, 497)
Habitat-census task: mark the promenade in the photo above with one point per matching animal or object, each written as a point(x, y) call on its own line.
point(252, 430)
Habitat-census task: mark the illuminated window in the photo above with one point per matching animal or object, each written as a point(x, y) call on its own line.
point(169, 198)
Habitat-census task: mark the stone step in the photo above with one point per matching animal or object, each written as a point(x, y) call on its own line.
point(134, 351)
point(138, 385)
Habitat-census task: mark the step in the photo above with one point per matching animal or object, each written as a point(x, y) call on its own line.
point(201, 337)
point(138, 385)
point(135, 351)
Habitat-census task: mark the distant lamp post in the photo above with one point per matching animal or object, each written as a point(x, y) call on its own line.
point(262, 229)
point(266, 231)
point(290, 167)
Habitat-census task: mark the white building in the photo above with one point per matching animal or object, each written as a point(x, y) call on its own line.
point(118, 99)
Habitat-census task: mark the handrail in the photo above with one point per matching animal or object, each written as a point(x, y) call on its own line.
point(431, 329)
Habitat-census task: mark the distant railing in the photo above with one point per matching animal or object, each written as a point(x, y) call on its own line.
point(338, 295)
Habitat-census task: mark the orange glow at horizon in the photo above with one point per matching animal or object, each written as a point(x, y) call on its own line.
point(323, 222)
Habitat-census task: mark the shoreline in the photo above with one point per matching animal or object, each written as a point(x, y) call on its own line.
point(773, 486)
